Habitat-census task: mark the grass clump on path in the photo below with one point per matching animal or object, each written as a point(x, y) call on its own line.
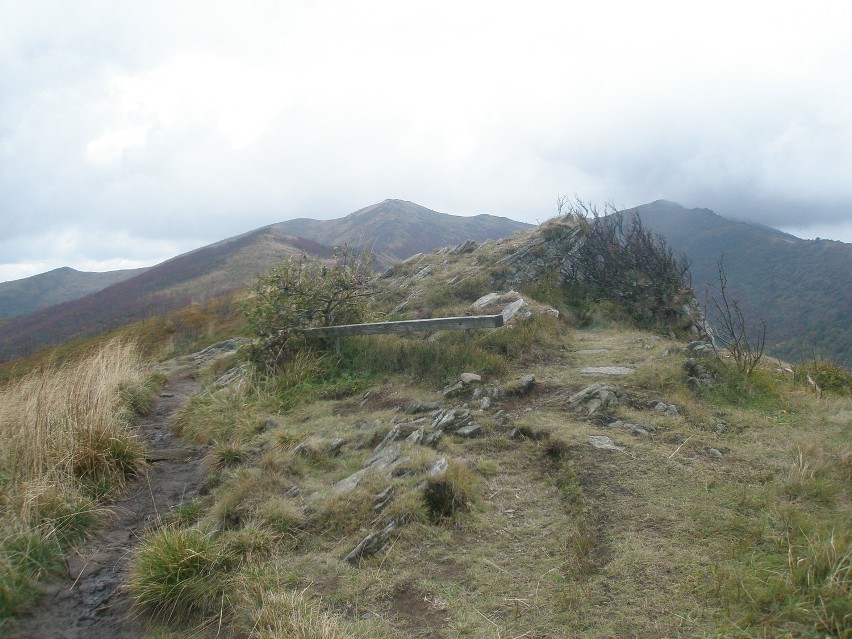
point(181, 574)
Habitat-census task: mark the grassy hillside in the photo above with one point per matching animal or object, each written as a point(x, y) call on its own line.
point(333, 509)
point(24, 296)
point(68, 445)
point(725, 512)
point(802, 288)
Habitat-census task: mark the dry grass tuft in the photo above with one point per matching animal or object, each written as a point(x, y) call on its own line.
point(290, 615)
point(72, 423)
point(66, 442)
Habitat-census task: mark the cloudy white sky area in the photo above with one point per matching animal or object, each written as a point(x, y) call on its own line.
point(133, 131)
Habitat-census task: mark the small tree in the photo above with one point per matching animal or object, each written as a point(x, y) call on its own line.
point(300, 293)
point(731, 331)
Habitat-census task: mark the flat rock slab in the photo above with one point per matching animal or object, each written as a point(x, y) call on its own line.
point(474, 430)
point(604, 442)
point(607, 370)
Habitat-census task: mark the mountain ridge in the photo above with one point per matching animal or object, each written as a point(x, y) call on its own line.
point(800, 287)
point(30, 294)
point(233, 264)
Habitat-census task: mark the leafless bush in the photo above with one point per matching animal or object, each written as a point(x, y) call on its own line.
point(744, 345)
point(622, 260)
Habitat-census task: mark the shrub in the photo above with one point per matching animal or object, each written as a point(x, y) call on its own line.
point(451, 492)
point(825, 375)
point(744, 344)
point(526, 339)
point(25, 555)
point(438, 361)
point(298, 294)
point(289, 615)
point(225, 455)
point(66, 440)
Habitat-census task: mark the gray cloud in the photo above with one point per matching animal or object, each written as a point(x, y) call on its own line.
point(131, 133)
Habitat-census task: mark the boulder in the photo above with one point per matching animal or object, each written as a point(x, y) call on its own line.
point(348, 483)
point(422, 407)
point(521, 386)
point(415, 437)
point(468, 246)
point(517, 308)
point(432, 438)
point(597, 397)
point(426, 270)
point(470, 431)
point(381, 500)
point(485, 300)
point(231, 376)
point(219, 349)
point(335, 446)
point(636, 429)
point(700, 348)
point(384, 458)
point(438, 467)
point(698, 375)
point(393, 433)
point(454, 390)
point(664, 409)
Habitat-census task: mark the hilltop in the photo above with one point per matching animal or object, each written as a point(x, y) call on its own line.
point(399, 229)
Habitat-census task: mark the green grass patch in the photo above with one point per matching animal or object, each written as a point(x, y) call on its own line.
point(25, 556)
point(452, 492)
point(533, 337)
point(759, 391)
point(424, 360)
point(828, 376)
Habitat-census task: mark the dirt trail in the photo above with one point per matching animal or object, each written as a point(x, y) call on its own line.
point(92, 601)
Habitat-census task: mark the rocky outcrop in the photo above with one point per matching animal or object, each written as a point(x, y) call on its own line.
point(511, 305)
point(698, 375)
point(545, 253)
point(597, 397)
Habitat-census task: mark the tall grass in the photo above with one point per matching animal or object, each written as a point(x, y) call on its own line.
point(69, 424)
point(66, 440)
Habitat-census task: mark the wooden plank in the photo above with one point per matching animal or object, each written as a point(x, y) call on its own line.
point(408, 326)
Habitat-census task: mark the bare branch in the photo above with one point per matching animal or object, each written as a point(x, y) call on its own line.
point(733, 333)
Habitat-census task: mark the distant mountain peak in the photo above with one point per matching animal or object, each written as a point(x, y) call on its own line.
point(666, 203)
point(396, 229)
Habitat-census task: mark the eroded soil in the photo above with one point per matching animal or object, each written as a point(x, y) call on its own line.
point(91, 599)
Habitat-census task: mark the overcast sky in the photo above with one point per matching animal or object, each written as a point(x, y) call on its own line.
point(133, 131)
